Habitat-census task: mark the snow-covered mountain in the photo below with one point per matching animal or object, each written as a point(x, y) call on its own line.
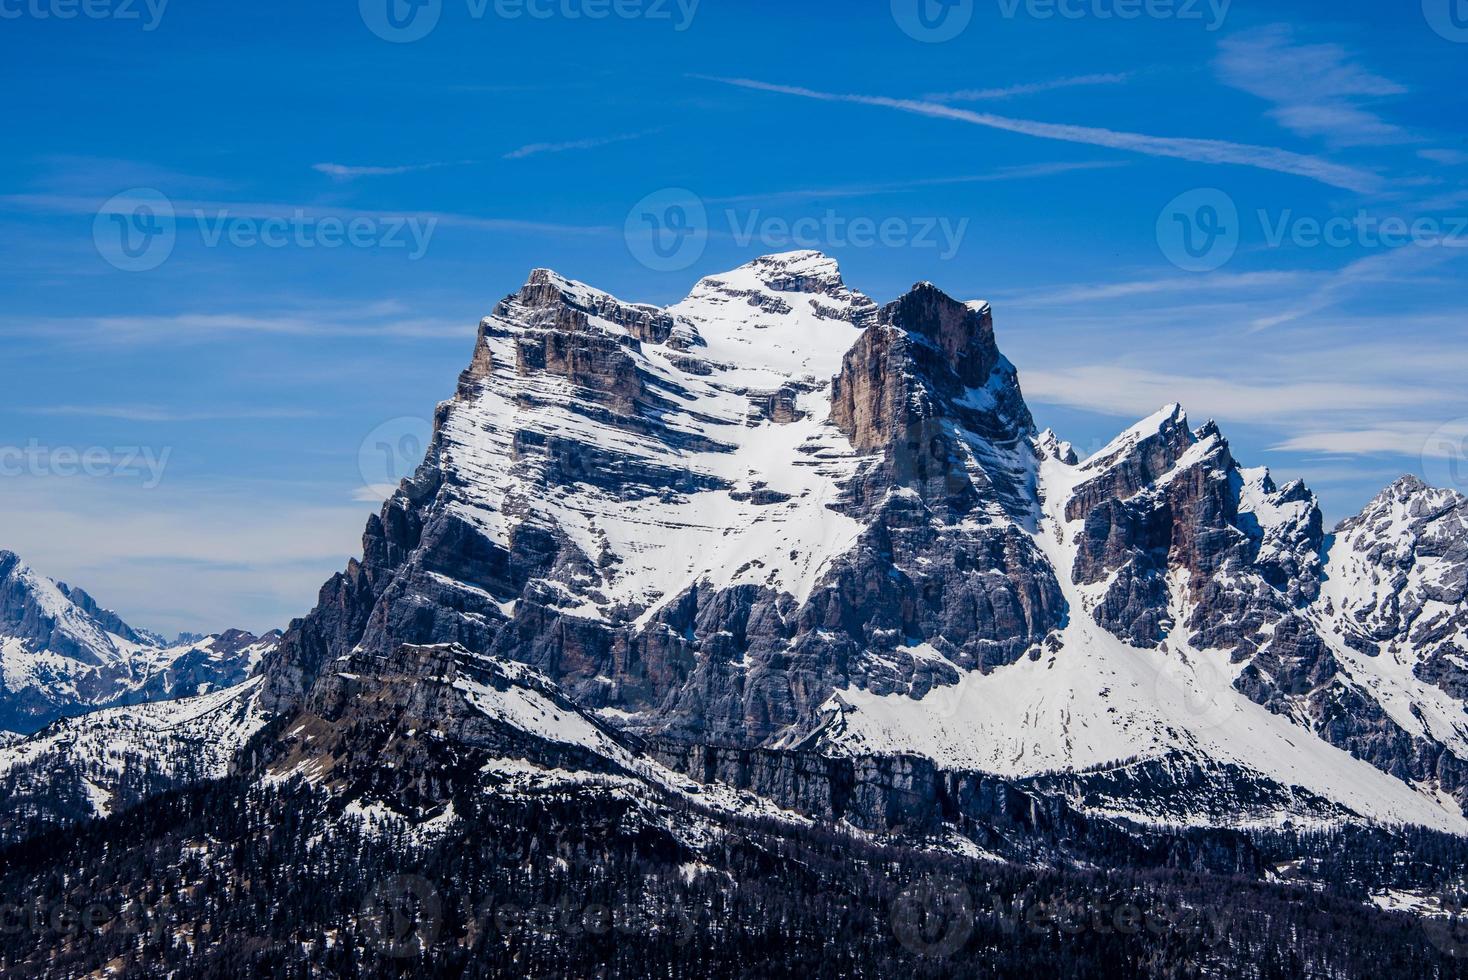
point(101, 763)
point(61, 654)
point(776, 570)
point(775, 514)
point(778, 516)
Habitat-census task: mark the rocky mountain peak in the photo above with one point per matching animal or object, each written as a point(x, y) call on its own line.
point(1403, 508)
point(927, 388)
point(782, 285)
point(963, 334)
point(706, 521)
point(1134, 460)
point(805, 271)
point(109, 620)
point(1051, 446)
point(1157, 441)
point(549, 300)
point(1405, 484)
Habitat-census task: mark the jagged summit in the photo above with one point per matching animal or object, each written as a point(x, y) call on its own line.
point(802, 271)
point(1409, 487)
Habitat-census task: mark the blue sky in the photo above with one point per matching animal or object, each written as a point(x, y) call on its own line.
point(1183, 204)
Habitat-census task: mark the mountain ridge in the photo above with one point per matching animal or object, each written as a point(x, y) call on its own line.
point(63, 654)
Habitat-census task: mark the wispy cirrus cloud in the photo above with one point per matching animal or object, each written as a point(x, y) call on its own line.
point(1019, 172)
point(1316, 90)
point(587, 143)
point(1446, 157)
point(1406, 439)
point(1028, 88)
point(196, 327)
point(156, 413)
point(1133, 392)
point(193, 209)
point(1394, 266)
point(1126, 289)
point(181, 555)
point(341, 171)
point(1210, 151)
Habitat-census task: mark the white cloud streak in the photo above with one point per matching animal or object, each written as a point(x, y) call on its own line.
point(1131, 392)
point(189, 210)
point(1209, 151)
point(588, 143)
point(1020, 172)
point(154, 413)
point(1030, 88)
point(340, 171)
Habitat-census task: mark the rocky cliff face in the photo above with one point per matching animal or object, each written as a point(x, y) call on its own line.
point(62, 654)
point(1179, 545)
point(775, 514)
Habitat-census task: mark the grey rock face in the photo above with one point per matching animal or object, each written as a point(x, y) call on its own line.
point(1395, 584)
point(404, 728)
point(1171, 522)
point(1169, 505)
point(938, 557)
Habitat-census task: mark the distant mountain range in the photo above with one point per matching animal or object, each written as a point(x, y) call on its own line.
point(61, 654)
point(704, 583)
